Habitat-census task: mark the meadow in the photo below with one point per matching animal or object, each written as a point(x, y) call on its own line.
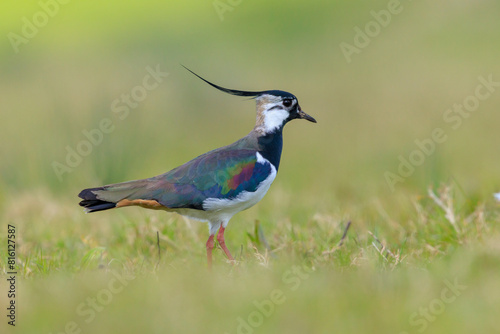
point(382, 217)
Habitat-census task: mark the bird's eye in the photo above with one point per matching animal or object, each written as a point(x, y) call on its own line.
point(287, 103)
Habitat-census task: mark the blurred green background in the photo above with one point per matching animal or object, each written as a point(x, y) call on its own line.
point(63, 81)
point(370, 111)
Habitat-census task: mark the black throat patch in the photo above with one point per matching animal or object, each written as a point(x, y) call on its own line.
point(270, 147)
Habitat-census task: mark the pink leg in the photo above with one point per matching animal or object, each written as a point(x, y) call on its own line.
point(222, 243)
point(210, 247)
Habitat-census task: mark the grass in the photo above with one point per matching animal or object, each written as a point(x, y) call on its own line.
point(421, 258)
point(304, 281)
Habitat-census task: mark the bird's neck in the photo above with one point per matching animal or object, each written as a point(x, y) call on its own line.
point(270, 146)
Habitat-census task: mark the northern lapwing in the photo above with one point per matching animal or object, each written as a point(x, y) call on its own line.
point(218, 184)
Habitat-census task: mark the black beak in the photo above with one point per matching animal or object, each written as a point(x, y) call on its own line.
point(305, 116)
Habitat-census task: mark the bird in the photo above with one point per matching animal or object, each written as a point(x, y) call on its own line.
point(216, 185)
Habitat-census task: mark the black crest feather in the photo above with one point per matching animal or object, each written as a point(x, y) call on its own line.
point(227, 90)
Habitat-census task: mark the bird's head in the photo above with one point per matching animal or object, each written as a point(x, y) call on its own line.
point(275, 108)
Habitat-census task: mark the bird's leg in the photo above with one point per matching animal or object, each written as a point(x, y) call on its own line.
point(222, 243)
point(210, 246)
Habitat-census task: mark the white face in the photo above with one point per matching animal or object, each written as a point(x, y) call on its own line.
point(273, 111)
